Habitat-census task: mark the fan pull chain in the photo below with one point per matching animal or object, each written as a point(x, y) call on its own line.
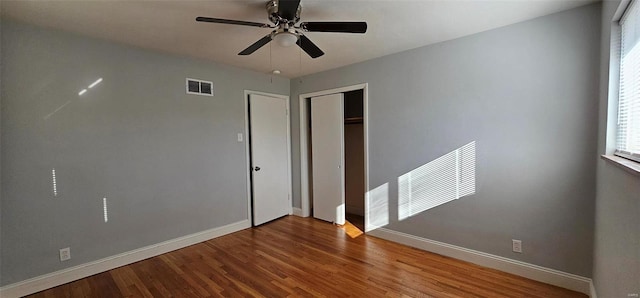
point(270, 63)
point(300, 63)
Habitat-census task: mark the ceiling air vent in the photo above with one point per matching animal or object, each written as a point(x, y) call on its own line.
point(199, 87)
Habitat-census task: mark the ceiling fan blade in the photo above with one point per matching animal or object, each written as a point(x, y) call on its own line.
point(232, 22)
point(309, 47)
point(337, 27)
point(288, 8)
point(256, 45)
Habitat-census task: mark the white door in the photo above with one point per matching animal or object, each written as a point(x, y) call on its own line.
point(327, 157)
point(269, 157)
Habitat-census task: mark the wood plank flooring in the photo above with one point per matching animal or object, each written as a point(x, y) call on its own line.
point(296, 256)
point(351, 229)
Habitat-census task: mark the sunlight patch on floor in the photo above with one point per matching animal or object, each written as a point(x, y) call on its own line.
point(351, 230)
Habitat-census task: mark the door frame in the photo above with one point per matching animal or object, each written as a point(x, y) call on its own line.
point(304, 143)
point(247, 136)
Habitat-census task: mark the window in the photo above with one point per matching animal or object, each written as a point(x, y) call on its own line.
point(628, 129)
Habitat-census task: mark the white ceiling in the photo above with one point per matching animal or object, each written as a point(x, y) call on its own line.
point(170, 26)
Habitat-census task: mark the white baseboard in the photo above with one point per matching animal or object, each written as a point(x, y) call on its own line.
point(297, 212)
point(535, 272)
point(60, 277)
point(592, 290)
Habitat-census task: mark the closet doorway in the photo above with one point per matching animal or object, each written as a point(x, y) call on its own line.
point(345, 111)
point(354, 157)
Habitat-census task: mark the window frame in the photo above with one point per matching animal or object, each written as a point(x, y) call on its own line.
point(617, 30)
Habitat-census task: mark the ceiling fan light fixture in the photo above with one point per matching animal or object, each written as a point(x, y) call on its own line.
point(285, 39)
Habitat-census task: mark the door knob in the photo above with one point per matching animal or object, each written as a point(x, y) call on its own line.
point(256, 169)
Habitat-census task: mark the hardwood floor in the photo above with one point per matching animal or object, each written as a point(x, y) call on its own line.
point(296, 256)
point(351, 229)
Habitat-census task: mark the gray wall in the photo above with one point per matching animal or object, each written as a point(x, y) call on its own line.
point(168, 162)
point(528, 95)
point(616, 255)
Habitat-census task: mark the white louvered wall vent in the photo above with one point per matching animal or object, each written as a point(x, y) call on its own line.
point(199, 87)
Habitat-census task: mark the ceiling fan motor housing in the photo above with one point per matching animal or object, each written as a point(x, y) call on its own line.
point(276, 18)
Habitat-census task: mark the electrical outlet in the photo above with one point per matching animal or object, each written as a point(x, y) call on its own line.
point(65, 254)
point(517, 245)
point(239, 137)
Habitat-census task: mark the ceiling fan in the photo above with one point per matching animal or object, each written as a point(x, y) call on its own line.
point(284, 14)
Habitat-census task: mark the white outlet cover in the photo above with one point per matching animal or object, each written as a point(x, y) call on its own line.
point(240, 137)
point(65, 254)
point(517, 246)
